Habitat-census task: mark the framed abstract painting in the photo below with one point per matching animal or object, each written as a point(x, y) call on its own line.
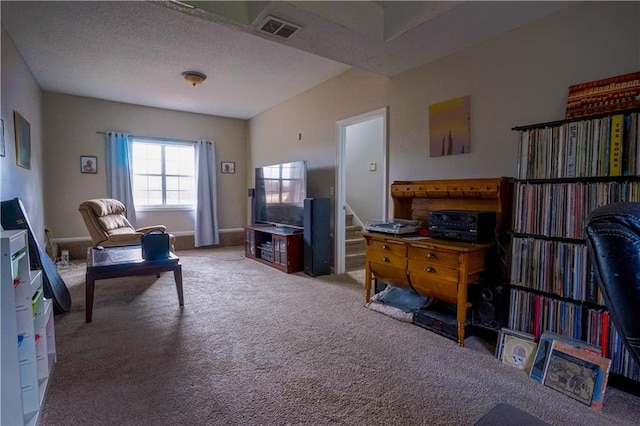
point(449, 127)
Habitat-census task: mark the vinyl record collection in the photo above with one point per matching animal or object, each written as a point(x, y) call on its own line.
point(567, 169)
point(561, 209)
point(561, 268)
point(534, 313)
point(604, 146)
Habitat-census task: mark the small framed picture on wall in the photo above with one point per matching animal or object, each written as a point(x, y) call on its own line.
point(2, 149)
point(88, 164)
point(22, 130)
point(227, 167)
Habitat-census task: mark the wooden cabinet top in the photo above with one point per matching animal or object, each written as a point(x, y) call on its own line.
point(275, 230)
point(413, 200)
point(451, 188)
point(427, 242)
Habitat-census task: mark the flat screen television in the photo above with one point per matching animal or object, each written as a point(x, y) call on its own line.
point(280, 190)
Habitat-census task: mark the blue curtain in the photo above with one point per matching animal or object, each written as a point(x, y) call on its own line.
point(120, 171)
point(206, 226)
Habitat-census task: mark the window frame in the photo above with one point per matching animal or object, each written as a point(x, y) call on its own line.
point(163, 143)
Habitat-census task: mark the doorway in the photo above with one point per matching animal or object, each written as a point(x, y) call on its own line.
point(362, 174)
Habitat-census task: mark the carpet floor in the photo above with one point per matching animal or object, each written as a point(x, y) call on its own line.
point(254, 346)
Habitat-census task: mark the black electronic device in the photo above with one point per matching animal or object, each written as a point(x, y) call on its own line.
point(441, 320)
point(462, 225)
point(395, 226)
point(280, 190)
point(316, 236)
point(490, 305)
point(251, 193)
point(266, 253)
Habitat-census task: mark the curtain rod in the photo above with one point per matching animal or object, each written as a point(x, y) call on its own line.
point(154, 138)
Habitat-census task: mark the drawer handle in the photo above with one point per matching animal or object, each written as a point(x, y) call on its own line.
point(430, 269)
point(385, 247)
point(385, 259)
point(431, 256)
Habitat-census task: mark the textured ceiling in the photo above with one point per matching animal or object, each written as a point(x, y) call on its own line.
point(136, 51)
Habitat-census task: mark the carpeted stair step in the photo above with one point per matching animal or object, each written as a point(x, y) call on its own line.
point(354, 246)
point(352, 231)
point(348, 219)
point(354, 261)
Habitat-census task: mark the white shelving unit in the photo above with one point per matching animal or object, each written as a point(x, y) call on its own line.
point(28, 335)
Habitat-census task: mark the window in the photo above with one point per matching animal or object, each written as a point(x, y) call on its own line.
point(163, 174)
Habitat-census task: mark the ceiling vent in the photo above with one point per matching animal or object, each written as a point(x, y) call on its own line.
point(278, 27)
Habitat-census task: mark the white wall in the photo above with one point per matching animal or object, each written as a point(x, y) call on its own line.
point(21, 92)
point(364, 145)
point(515, 79)
point(519, 78)
point(69, 128)
point(314, 113)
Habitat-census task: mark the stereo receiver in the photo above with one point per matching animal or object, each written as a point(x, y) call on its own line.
point(462, 225)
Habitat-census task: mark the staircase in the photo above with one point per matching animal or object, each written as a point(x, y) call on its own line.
point(354, 246)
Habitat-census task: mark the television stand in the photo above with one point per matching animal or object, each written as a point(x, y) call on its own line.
point(286, 230)
point(276, 246)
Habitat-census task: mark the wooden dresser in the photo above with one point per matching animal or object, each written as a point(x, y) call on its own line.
point(434, 267)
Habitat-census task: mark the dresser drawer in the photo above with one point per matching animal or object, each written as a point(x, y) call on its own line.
point(455, 190)
point(489, 190)
point(388, 275)
point(439, 257)
point(388, 268)
point(437, 190)
point(429, 285)
point(428, 268)
point(398, 249)
point(385, 259)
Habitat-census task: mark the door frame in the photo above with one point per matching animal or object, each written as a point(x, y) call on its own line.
point(341, 184)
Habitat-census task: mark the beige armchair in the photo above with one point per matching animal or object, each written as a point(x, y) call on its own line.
point(108, 225)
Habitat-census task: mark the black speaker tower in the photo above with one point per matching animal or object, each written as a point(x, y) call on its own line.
point(490, 305)
point(251, 193)
point(317, 241)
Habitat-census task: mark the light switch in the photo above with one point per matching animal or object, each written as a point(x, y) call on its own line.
point(372, 166)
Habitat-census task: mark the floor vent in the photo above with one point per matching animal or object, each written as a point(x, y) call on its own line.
point(278, 27)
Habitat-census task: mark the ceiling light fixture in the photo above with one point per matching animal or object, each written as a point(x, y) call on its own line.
point(194, 77)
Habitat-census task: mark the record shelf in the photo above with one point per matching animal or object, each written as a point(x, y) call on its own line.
point(566, 169)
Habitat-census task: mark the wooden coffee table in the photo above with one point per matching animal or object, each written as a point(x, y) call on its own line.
point(125, 261)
